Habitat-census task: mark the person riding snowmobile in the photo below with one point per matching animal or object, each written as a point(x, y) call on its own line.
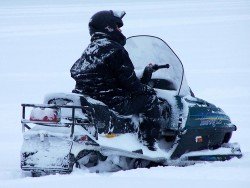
point(106, 73)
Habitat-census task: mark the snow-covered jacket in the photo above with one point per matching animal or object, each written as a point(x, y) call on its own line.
point(105, 71)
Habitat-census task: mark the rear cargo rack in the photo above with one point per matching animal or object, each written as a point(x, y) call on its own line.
point(89, 111)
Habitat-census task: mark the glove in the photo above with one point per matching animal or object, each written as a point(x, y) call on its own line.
point(147, 73)
point(151, 67)
point(147, 90)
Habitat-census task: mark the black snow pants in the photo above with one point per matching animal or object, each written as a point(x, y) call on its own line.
point(148, 107)
point(139, 104)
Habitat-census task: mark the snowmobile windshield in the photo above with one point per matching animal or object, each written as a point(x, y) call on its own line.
point(144, 49)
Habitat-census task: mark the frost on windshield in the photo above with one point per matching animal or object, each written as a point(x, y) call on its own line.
point(147, 49)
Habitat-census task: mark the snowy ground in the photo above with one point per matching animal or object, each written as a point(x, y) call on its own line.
point(40, 40)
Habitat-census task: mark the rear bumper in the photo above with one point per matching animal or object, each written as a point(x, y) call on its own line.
point(42, 151)
point(65, 167)
point(47, 170)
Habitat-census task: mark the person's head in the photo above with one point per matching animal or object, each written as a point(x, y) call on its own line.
point(108, 22)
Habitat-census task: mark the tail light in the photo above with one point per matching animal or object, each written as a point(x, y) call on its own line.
point(82, 139)
point(45, 114)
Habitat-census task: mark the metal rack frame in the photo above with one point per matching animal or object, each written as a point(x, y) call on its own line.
point(72, 124)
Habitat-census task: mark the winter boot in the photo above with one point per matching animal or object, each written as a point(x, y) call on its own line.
point(149, 132)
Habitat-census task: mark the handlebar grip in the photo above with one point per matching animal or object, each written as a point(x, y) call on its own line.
point(163, 66)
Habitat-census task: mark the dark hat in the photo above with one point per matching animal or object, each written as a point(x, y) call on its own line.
point(105, 20)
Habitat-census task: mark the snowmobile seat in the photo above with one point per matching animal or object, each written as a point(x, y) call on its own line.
point(106, 120)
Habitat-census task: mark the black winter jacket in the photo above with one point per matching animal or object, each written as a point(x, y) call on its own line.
point(105, 71)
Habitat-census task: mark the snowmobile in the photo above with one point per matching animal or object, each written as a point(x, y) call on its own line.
point(71, 130)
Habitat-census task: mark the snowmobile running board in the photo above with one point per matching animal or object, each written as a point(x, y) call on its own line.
point(226, 152)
